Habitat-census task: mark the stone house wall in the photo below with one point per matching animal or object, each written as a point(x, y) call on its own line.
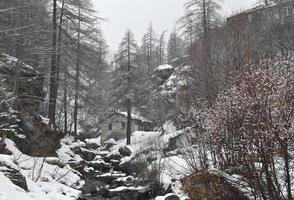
point(116, 127)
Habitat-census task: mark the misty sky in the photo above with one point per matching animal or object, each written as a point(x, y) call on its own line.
point(137, 15)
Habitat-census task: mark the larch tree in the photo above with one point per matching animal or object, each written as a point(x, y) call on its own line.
point(126, 60)
point(80, 43)
point(175, 47)
point(162, 48)
point(150, 42)
point(200, 19)
point(77, 79)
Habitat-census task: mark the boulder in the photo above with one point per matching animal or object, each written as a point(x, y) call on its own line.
point(114, 155)
point(100, 165)
point(110, 143)
point(55, 161)
point(93, 143)
point(3, 149)
point(87, 154)
point(76, 149)
point(151, 191)
point(124, 151)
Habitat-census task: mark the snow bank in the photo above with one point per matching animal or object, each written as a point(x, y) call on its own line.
point(45, 181)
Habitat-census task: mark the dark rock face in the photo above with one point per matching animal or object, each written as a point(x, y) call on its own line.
point(15, 176)
point(19, 117)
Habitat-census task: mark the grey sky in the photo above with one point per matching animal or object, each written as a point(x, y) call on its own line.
point(137, 15)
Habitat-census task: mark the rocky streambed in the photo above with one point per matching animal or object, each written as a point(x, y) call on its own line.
point(108, 176)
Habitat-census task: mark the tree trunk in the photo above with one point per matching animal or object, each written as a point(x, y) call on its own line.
point(129, 104)
point(65, 99)
point(53, 76)
point(59, 42)
point(77, 79)
point(287, 169)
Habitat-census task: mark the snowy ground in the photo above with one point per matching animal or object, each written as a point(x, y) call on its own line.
point(58, 181)
point(45, 181)
point(173, 168)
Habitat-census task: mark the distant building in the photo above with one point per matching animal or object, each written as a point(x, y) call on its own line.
point(115, 126)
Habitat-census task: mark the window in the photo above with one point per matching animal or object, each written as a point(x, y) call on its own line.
point(123, 125)
point(110, 126)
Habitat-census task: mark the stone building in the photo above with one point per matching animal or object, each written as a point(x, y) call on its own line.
point(115, 126)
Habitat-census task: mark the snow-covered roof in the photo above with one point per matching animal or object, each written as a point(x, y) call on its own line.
point(163, 67)
point(125, 114)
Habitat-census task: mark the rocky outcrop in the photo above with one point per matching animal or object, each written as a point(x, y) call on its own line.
point(21, 96)
point(14, 175)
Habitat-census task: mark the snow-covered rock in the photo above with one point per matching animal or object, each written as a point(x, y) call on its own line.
point(23, 177)
point(168, 197)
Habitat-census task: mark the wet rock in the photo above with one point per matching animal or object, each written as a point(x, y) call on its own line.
point(100, 165)
point(92, 145)
point(114, 162)
point(124, 194)
point(87, 154)
point(114, 155)
point(151, 191)
point(123, 168)
point(3, 149)
point(124, 151)
point(76, 149)
point(90, 187)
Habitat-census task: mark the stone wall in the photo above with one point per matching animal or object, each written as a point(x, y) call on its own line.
point(118, 132)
